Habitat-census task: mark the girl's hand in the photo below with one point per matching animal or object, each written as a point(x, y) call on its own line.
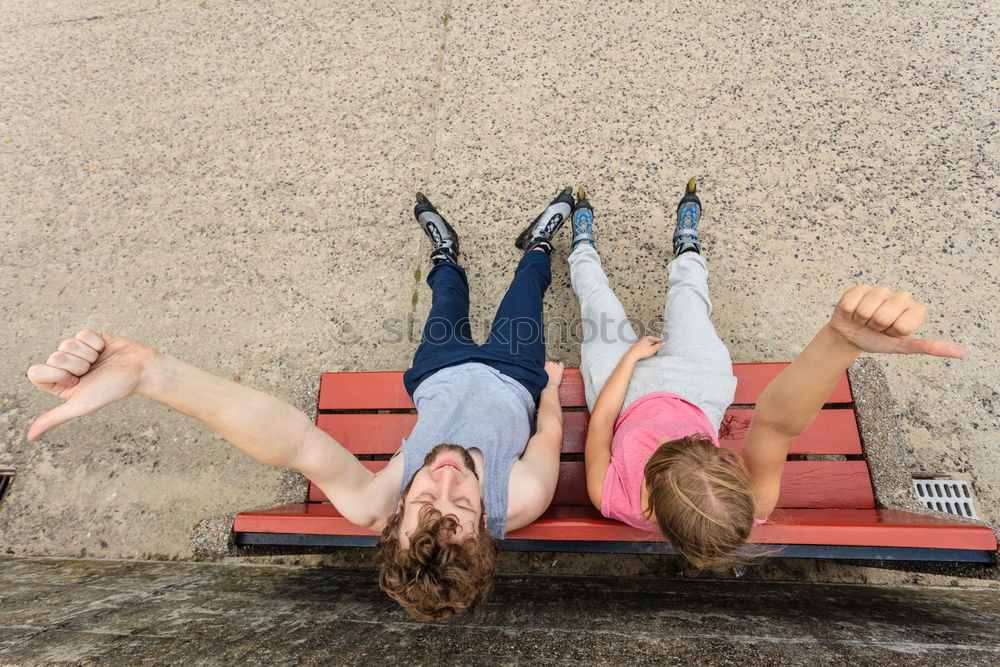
point(555, 370)
point(877, 319)
point(645, 347)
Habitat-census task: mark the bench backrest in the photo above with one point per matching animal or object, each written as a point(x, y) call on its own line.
point(370, 414)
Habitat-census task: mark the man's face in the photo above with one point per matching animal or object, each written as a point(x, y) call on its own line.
point(448, 483)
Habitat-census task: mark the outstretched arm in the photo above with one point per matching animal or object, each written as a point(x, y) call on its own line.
point(534, 477)
point(867, 319)
point(94, 369)
point(600, 430)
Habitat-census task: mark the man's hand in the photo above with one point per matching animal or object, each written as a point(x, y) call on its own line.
point(877, 319)
point(644, 348)
point(555, 370)
point(89, 371)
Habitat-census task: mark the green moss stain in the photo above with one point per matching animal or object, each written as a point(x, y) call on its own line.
point(446, 18)
point(414, 300)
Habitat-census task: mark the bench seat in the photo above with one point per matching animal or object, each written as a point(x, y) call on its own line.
point(826, 508)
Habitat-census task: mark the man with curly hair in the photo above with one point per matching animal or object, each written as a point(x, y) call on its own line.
point(470, 470)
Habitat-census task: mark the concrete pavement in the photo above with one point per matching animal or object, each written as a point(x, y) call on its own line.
point(109, 612)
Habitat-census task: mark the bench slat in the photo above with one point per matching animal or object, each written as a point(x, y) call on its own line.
point(834, 431)
point(383, 390)
point(753, 378)
point(816, 484)
point(869, 527)
point(886, 528)
point(826, 485)
point(373, 390)
point(804, 484)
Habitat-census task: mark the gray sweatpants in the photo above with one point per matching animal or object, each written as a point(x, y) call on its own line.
point(694, 363)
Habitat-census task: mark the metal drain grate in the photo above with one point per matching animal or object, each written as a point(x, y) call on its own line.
point(946, 495)
point(6, 479)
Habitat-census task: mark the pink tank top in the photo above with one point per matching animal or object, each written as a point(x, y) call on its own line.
point(639, 430)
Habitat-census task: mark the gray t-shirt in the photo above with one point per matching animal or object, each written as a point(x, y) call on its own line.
point(473, 405)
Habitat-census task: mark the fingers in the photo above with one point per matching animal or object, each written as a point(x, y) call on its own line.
point(881, 309)
point(653, 342)
point(887, 309)
point(92, 339)
point(78, 348)
point(44, 376)
point(850, 299)
point(53, 418)
point(72, 359)
point(555, 370)
point(870, 301)
point(646, 347)
point(908, 321)
point(898, 315)
point(934, 348)
point(68, 362)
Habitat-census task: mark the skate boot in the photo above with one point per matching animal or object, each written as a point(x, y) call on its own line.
point(688, 215)
point(444, 240)
point(583, 218)
point(540, 232)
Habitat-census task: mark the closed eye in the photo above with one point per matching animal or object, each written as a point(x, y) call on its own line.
point(467, 506)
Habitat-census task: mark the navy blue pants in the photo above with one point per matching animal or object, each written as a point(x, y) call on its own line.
point(516, 344)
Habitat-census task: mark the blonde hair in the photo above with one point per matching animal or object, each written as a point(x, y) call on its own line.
point(701, 498)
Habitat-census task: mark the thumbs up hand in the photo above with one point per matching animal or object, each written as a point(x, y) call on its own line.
point(877, 319)
point(89, 371)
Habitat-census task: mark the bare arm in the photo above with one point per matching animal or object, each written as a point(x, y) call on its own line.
point(93, 370)
point(534, 477)
point(866, 319)
point(600, 430)
point(787, 406)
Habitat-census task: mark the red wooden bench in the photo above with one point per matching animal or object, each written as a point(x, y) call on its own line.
point(826, 509)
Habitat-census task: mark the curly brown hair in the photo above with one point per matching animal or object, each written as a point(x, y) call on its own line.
point(701, 498)
point(435, 578)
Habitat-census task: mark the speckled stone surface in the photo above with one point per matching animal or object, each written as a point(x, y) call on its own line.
point(213, 537)
point(883, 441)
point(229, 182)
point(232, 181)
point(128, 613)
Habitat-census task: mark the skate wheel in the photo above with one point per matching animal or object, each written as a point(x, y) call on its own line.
point(692, 186)
point(581, 193)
